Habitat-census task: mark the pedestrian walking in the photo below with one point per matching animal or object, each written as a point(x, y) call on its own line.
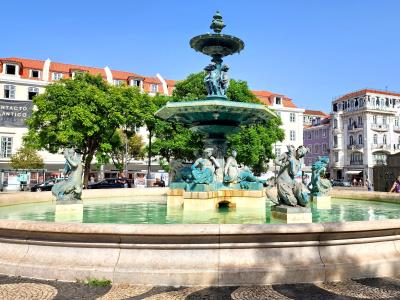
point(396, 186)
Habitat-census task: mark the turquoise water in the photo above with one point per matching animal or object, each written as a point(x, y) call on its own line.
point(148, 210)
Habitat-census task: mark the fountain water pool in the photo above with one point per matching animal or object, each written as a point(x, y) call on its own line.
point(154, 210)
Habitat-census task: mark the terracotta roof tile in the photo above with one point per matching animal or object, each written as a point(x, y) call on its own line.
point(365, 91)
point(265, 97)
point(315, 113)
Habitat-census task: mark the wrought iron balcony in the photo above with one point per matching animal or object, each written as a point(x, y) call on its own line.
point(356, 162)
point(355, 147)
point(355, 127)
point(381, 146)
point(380, 127)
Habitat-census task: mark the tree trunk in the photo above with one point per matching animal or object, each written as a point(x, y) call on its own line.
point(149, 156)
point(86, 171)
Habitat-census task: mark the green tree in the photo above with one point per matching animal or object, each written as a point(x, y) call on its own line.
point(125, 146)
point(83, 113)
point(26, 158)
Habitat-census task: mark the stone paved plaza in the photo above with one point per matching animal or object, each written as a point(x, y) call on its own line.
point(17, 288)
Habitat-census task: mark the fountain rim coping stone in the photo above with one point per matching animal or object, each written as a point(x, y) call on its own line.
point(197, 229)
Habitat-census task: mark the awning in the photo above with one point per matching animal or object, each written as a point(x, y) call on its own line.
point(353, 172)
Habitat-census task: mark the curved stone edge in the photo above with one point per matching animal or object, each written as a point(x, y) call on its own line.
point(201, 254)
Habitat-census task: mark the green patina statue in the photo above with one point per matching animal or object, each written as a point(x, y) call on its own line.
point(231, 170)
point(205, 168)
point(70, 189)
point(247, 179)
point(217, 23)
point(319, 186)
point(290, 191)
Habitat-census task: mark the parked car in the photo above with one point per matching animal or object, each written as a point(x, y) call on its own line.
point(341, 183)
point(111, 183)
point(46, 186)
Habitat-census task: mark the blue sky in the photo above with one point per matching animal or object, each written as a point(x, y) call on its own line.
point(311, 51)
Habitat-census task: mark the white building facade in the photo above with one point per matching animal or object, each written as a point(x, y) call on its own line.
point(21, 79)
point(292, 120)
point(364, 130)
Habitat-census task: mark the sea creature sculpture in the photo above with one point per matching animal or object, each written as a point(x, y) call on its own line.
point(70, 189)
point(318, 185)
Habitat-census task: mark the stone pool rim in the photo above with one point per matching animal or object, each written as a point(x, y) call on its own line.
point(201, 254)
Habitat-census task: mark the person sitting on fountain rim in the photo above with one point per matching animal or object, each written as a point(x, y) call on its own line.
point(396, 186)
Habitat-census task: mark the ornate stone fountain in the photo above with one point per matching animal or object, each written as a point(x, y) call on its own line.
point(216, 117)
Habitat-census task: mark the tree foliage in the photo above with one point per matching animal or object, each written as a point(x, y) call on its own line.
point(83, 113)
point(125, 146)
point(26, 158)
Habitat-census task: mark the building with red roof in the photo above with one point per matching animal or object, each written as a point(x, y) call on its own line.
point(291, 116)
point(21, 79)
point(365, 129)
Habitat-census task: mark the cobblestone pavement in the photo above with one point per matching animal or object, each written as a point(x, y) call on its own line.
point(17, 288)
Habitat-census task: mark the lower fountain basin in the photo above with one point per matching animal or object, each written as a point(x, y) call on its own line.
point(199, 254)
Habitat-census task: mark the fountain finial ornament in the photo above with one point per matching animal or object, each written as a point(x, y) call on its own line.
point(217, 24)
point(217, 46)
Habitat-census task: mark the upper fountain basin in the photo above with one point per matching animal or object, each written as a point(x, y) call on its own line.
point(216, 44)
point(215, 116)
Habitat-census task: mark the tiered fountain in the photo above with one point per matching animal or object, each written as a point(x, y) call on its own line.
point(216, 117)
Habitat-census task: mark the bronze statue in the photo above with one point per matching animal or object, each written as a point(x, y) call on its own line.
point(70, 189)
point(290, 191)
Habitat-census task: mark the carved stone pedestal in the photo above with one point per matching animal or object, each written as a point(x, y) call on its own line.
point(69, 211)
point(321, 202)
point(291, 215)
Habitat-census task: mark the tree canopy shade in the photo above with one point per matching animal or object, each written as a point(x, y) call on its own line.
point(124, 146)
point(253, 143)
point(26, 158)
point(83, 113)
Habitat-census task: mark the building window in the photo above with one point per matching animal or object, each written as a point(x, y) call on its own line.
point(384, 139)
point(336, 156)
point(396, 121)
point(11, 69)
point(292, 135)
point(32, 92)
point(335, 123)
point(359, 120)
point(316, 148)
point(356, 158)
point(374, 120)
point(324, 133)
point(6, 147)
point(351, 140)
point(375, 139)
point(9, 91)
point(277, 152)
point(154, 88)
point(117, 82)
point(384, 120)
point(34, 73)
point(136, 82)
point(292, 117)
point(78, 73)
point(278, 100)
point(335, 141)
point(278, 113)
point(324, 148)
point(57, 76)
point(360, 139)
